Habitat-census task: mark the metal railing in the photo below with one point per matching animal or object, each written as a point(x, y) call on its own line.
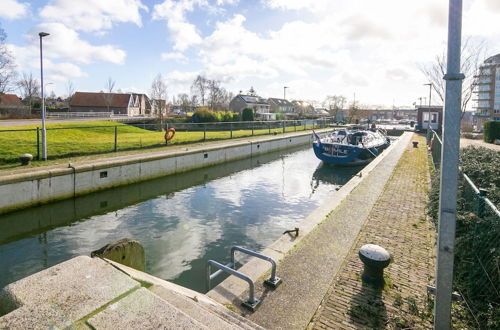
point(477, 250)
point(273, 281)
point(86, 139)
point(229, 268)
point(252, 302)
point(52, 114)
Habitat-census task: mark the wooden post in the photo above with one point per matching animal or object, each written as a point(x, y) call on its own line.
point(116, 138)
point(37, 143)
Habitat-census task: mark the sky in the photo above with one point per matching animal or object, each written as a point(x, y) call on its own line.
point(370, 50)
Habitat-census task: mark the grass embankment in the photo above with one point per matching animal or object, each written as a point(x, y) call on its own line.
point(68, 140)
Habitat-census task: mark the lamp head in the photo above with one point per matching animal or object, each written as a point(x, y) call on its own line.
point(43, 34)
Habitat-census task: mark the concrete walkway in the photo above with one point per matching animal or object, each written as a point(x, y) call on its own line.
point(308, 269)
point(398, 223)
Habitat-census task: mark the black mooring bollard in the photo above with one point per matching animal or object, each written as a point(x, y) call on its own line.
point(375, 258)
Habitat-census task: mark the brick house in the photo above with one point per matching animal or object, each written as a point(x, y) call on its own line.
point(260, 106)
point(11, 104)
point(127, 104)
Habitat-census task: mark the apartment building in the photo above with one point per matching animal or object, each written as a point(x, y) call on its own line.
point(487, 91)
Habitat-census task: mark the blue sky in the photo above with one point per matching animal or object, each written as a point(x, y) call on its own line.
point(315, 47)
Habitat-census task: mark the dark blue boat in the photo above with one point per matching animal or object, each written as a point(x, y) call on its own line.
point(350, 147)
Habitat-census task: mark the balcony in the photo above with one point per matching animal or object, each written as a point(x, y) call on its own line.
point(482, 114)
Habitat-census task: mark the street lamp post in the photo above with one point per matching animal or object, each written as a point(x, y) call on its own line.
point(284, 92)
point(429, 112)
point(44, 132)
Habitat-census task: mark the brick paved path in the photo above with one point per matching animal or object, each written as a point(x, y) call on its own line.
point(397, 222)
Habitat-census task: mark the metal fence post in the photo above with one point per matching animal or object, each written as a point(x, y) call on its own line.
point(294, 126)
point(449, 170)
point(252, 127)
point(116, 138)
point(480, 202)
point(38, 143)
point(283, 123)
point(269, 125)
point(231, 128)
point(204, 132)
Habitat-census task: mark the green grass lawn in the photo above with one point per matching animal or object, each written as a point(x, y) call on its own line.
point(67, 140)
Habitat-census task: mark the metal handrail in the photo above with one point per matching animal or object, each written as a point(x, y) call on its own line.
point(252, 302)
point(273, 281)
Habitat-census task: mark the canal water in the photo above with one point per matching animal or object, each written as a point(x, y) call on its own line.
point(182, 220)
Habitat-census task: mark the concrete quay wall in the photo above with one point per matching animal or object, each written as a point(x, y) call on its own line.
point(48, 185)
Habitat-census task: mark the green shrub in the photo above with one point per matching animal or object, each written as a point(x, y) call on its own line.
point(491, 131)
point(204, 115)
point(247, 114)
point(476, 247)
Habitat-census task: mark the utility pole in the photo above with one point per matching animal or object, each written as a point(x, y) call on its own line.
point(429, 112)
point(44, 131)
point(284, 92)
point(449, 170)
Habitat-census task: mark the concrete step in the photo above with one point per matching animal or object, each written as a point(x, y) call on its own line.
point(91, 293)
point(142, 309)
point(197, 310)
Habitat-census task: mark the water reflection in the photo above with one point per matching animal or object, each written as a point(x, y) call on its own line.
point(181, 220)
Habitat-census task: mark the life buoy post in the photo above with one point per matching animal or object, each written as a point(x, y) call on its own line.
point(169, 134)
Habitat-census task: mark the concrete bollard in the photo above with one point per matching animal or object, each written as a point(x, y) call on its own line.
point(126, 251)
point(375, 258)
point(26, 159)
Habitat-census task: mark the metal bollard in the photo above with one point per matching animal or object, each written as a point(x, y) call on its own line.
point(375, 258)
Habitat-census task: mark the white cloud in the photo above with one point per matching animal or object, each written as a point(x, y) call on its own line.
point(93, 15)
point(61, 49)
point(62, 71)
point(226, 2)
point(12, 9)
point(65, 43)
point(311, 5)
point(183, 34)
point(179, 81)
point(174, 56)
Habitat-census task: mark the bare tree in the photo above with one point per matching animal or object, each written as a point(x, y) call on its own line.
point(335, 104)
point(29, 88)
point(199, 88)
point(353, 112)
point(194, 101)
point(108, 95)
point(184, 102)
point(473, 54)
point(216, 94)
point(7, 66)
point(70, 90)
point(158, 96)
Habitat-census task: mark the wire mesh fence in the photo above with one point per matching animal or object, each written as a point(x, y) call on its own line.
point(476, 274)
point(73, 140)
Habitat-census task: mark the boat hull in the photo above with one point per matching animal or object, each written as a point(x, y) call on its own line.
point(346, 155)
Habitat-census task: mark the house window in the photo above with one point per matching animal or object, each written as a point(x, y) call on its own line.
point(434, 118)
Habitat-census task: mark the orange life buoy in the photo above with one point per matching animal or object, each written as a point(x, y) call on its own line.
point(169, 136)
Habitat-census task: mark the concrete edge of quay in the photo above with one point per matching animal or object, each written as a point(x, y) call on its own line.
point(46, 185)
point(232, 289)
point(95, 293)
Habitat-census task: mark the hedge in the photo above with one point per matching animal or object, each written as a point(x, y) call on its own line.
point(491, 131)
